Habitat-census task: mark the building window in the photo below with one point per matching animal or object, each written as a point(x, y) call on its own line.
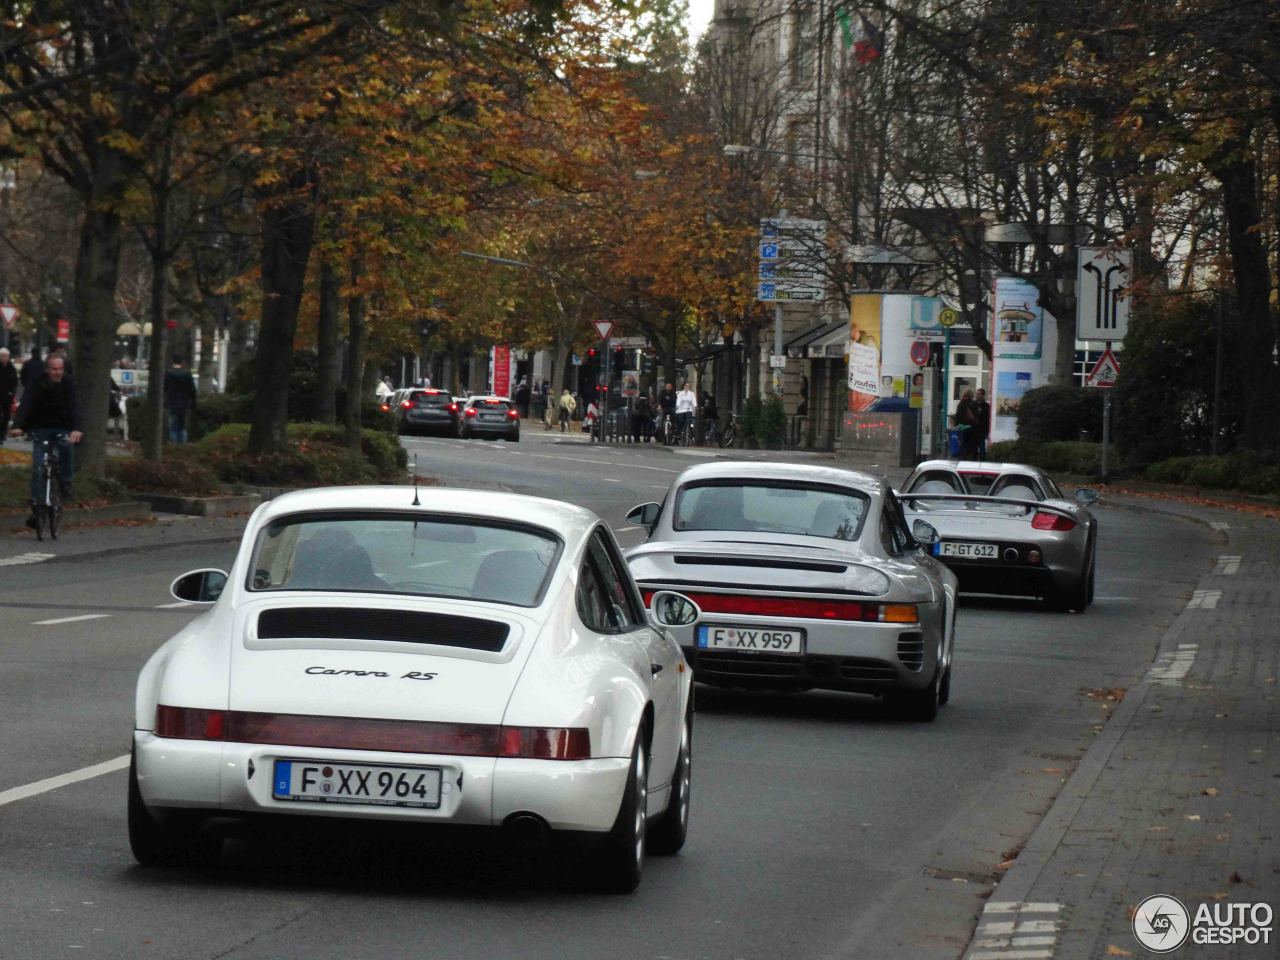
point(804, 46)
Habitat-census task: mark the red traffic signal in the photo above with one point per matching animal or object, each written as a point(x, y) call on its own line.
point(591, 353)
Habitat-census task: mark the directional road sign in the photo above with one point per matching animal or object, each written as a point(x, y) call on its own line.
point(603, 328)
point(1102, 293)
point(777, 292)
point(1105, 372)
point(792, 227)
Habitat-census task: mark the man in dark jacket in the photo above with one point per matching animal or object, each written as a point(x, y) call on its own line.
point(982, 428)
point(48, 411)
point(179, 399)
point(8, 390)
point(666, 409)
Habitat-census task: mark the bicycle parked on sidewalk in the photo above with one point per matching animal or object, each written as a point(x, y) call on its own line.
point(729, 435)
point(47, 508)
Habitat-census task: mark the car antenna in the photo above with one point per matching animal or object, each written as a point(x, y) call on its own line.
point(416, 501)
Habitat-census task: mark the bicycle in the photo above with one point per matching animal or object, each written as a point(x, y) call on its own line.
point(48, 507)
point(667, 429)
point(729, 434)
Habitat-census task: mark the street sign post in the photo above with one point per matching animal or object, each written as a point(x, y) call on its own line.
point(9, 313)
point(1102, 293)
point(1105, 372)
point(920, 352)
point(603, 328)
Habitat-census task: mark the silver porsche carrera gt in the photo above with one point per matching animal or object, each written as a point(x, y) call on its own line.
point(806, 577)
point(1008, 529)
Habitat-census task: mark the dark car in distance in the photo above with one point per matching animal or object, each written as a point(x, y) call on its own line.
point(425, 410)
point(489, 416)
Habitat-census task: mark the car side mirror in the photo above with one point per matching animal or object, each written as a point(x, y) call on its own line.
point(925, 532)
point(199, 586)
point(645, 515)
point(671, 609)
point(1087, 496)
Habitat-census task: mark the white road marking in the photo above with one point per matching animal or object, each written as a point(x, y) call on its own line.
point(84, 616)
point(1204, 600)
point(24, 558)
point(1016, 931)
point(610, 480)
point(173, 606)
point(1172, 670)
point(63, 779)
point(1227, 566)
point(1219, 525)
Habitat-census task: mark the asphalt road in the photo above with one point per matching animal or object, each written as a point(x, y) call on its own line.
point(821, 827)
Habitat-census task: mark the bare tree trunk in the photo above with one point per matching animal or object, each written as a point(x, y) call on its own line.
point(153, 421)
point(327, 344)
point(287, 232)
point(356, 339)
point(97, 271)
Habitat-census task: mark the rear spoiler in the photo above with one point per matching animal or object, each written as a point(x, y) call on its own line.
point(979, 500)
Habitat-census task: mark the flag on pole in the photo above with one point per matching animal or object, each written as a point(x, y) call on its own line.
point(867, 42)
point(846, 27)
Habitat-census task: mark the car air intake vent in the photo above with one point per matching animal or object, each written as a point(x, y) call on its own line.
point(402, 626)
point(911, 650)
point(717, 561)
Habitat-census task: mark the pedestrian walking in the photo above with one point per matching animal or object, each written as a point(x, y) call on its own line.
point(967, 423)
point(8, 390)
point(179, 399)
point(982, 424)
point(522, 398)
point(567, 406)
point(641, 420)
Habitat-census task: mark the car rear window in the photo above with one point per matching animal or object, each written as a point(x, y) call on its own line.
point(433, 399)
point(430, 555)
point(758, 507)
point(978, 482)
point(498, 405)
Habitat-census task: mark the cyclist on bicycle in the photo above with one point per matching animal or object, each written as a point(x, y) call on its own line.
point(48, 411)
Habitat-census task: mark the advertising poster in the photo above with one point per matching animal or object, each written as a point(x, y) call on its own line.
point(502, 370)
point(1011, 382)
point(924, 318)
point(1018, 320)
point(631, 383)
point(864, 350)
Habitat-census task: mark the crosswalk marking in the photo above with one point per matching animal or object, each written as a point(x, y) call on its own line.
point(1227, 566)
point(1171, 670)
point(1016, 931)
point(25, 558)
point(1204, 600)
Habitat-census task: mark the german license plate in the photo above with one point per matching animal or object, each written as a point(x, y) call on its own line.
point(377, 784)
point(755, 639)
point(969, 551)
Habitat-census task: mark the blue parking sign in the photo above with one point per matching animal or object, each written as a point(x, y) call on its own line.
point(768, 251)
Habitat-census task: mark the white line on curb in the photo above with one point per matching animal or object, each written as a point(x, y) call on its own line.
point(1204, 600)
point(1169, 671)
point(1016, 931)
point(85, 616)
point(1227, 566)
point(63, 779)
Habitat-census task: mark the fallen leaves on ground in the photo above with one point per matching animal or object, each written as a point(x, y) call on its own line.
point(15, 457)
point(1210, 791)
point(1114, 951)
point(1108, 696)
point(1240, 506)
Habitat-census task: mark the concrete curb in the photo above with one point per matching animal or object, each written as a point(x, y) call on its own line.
point(129, 510)
point(218, 506)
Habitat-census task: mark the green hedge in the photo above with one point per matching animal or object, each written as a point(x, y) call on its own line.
point(1059, 412)
point(317, 455)
point(175, 474)
point(1234, 471)
point(1059, 456)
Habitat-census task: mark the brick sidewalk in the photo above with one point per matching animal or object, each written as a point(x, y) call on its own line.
point(1180, 793)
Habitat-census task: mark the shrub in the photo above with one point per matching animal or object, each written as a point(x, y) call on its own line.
point(1012, 451)
point(1235, 471)
point(1059, 456)
point(1059, 412)
point(317, 455)
point(773, 422)
point(172, 475)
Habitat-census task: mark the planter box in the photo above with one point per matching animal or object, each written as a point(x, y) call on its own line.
point(218, 506)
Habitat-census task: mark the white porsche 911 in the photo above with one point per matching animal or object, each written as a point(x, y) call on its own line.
point(459, 658)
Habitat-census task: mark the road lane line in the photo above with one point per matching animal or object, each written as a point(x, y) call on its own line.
point(63, 780)
point(24, 558)
point(172, 606)
point(85, 616)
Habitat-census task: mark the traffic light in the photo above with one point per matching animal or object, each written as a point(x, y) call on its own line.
point(591, 353)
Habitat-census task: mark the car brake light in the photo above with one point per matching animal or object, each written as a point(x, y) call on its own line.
point(471, 411)
point(355, 733)
point(1052, 521)
point(453, 408)
point(801, 608)
point(384, 407)
point(406, 404)
point(513, 414)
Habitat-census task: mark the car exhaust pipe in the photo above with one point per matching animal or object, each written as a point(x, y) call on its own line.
point(525, 827)
point(1010, 555)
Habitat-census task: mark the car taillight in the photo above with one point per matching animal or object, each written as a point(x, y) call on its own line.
point(471, 411)
point(355, 733)
point(801, 608)
point(453, 408)
point(513, 414)
point(1052, 521)
point(384, 407)
point(406, 404)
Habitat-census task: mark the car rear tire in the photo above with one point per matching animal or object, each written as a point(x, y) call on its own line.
point(922, 705)
point(167, 841)
point(944, 688)
point(619, 861)
point(668, 832)
point(1078, 595)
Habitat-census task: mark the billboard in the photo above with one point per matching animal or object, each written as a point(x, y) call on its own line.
point(864, 350)
point(1017, 320)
